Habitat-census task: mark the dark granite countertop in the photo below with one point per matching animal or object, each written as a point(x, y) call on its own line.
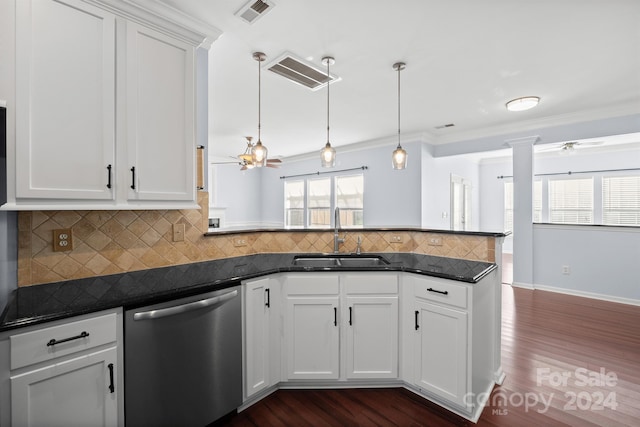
point(31, 305)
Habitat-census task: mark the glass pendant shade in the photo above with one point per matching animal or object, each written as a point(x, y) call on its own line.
point(328, 156)
point(399, 158)
point(259, 155)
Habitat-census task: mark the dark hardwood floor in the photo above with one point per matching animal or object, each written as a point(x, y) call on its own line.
point(568, 361)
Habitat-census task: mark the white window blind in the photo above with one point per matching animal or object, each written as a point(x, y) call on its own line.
point(319, 202)
point(349, 191)
point(571, 201)
point(508, 206)
point(294, 204)
point(537, 201)
point(621, 200)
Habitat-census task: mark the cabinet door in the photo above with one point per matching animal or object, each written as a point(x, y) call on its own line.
point(312, 338)
point(372, 337)
point(257, 335)
point(441, 351)
point(160, 116)
point(65, 98)
point(74, 392)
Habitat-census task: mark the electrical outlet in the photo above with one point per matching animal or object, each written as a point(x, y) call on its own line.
point(178, 232)
point(566, 270)
point(435, 241)
point(239, 242)
point(62, 240)
point(396, 238)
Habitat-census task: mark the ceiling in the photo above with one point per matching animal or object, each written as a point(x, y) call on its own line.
point(465, 60)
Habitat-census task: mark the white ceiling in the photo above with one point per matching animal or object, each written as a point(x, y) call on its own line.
point(465, 59)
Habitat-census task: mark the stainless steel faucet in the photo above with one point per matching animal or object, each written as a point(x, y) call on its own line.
point(336, 238)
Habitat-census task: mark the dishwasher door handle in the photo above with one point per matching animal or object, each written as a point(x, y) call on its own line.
point(184, 308)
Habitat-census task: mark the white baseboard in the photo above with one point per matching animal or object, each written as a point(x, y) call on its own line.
point(593, 295)
point(523, 285)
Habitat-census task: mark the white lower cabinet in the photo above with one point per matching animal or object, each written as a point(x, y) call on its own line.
point(441, 351)
point(341, 326)
point(371, 325)
point(312, 334)
point(262, 339)
point(71, 392)
point(67, 373)
point(434, 336)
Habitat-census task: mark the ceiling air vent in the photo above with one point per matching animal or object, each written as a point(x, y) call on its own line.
point(253, 10)
point(301, 72)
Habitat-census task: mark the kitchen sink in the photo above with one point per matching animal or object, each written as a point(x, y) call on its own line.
point(337, 260)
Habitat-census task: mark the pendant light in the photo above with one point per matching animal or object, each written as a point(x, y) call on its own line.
point(399, 157)
point(328, 153)
point(259, 151)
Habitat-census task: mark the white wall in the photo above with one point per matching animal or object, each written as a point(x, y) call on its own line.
point(437, 189)
point(255, 197)
point(603, 261)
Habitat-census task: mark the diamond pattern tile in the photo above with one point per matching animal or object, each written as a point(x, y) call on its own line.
point(112, 242)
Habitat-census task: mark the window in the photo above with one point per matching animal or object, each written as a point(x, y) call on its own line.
point(350, 200)
point(319, 202)
point(311, 202)
point(508, 206)
point(621, 200)
point(571, 201)
point(537, 201)
point(294, 204)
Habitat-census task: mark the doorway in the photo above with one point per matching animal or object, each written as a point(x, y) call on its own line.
point(460, 203)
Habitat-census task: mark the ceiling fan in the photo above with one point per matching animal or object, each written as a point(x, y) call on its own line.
point(245, 159)
point(570, 146)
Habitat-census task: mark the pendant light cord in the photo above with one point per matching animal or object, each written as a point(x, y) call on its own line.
point(328, 85)
point(399, 68)
point(259, 91)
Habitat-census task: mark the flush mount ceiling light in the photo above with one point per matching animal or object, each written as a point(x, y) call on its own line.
point(259, 151)
point(522, 104)
point(328, 153)
point(399, 157)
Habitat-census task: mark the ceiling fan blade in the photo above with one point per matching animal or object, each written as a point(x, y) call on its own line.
point(585, 143)
point(274, 161)
point(270, 165)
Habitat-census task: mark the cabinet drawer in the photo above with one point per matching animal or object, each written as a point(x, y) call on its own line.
point(312, 284)
point(376, 283)
point(55, 341)
point(442, 291)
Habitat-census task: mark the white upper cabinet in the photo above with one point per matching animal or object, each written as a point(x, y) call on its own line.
point(65, 100)
point(105, 108)
point(160, 116)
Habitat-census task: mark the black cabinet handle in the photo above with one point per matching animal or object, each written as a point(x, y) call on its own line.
point(417, 326)
point(111, 386)
point(133, 177)
point(335, 316)
point(109, 176)
point(268, 303)
point(350, 313)
point(438, 292)
point(53, 341)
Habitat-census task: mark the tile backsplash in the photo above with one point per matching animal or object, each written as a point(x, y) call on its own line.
point(108, 242)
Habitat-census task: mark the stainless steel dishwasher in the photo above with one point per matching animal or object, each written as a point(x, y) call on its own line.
point(183, 360)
